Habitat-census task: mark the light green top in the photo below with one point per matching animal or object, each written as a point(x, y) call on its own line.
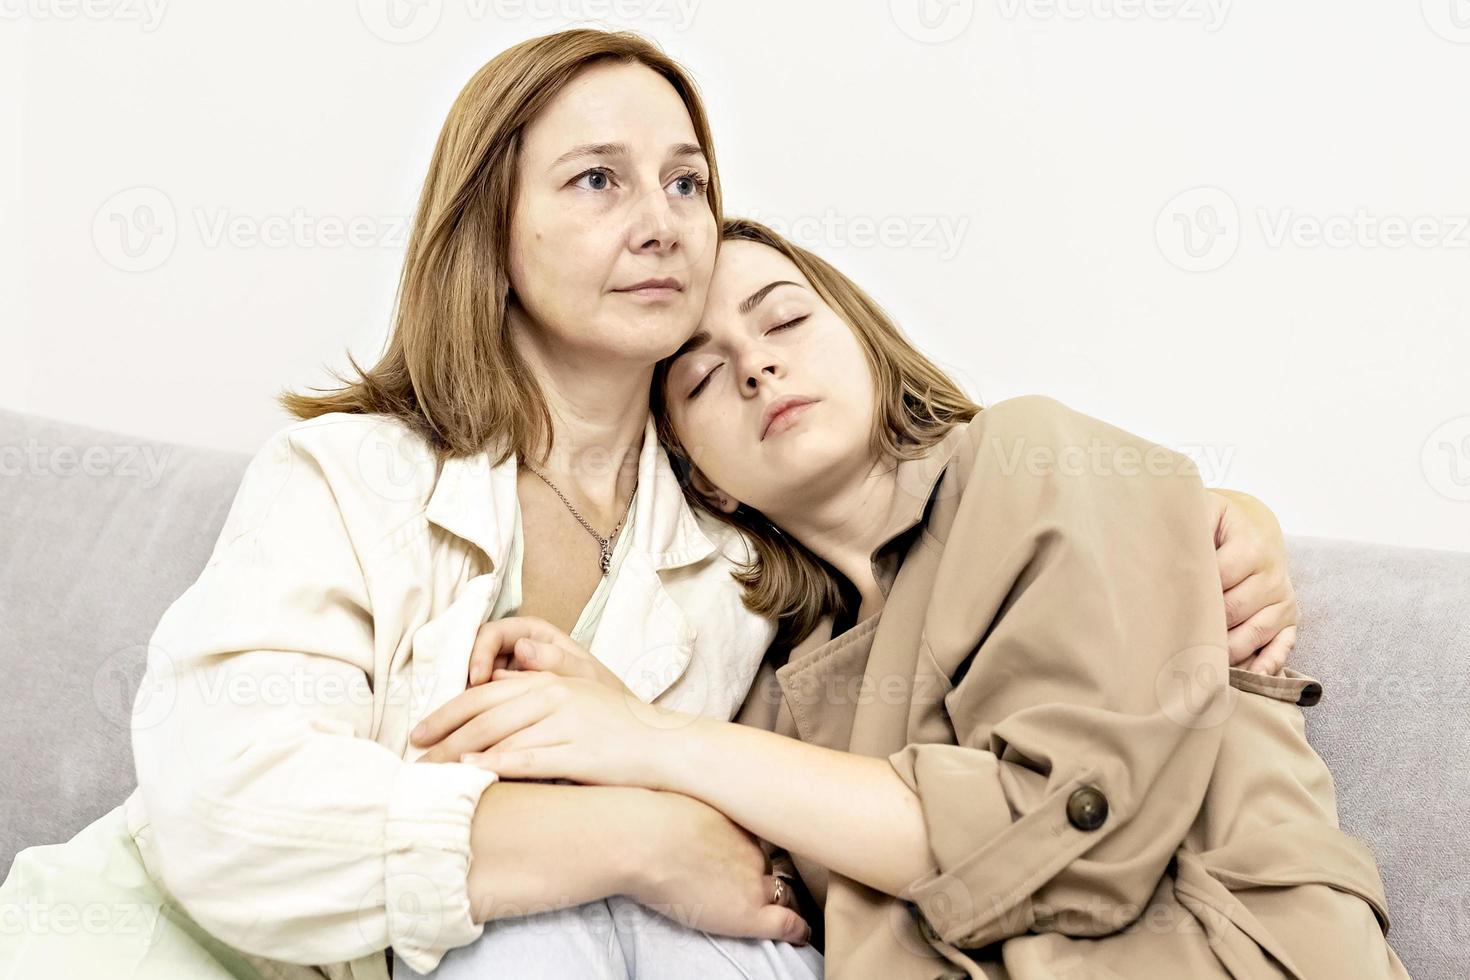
point(509, 600)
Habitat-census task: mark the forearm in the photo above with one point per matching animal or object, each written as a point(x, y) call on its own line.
point(538, 846)
point(847, 812)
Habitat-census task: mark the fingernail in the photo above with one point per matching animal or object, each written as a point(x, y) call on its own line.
point(469, 758)
point(418, 732)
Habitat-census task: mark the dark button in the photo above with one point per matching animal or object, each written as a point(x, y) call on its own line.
point(1311, 694)
point(1087, 808)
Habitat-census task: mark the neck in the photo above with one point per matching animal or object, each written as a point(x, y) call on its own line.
point(842, 521)
point(599, 410)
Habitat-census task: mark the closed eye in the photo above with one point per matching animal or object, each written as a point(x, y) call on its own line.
point(704, 381)
point(788, 324)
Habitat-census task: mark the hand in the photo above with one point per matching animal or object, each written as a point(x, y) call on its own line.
point(532, 725)
point(709, 873)
point(521, 643)
point(1260, 603)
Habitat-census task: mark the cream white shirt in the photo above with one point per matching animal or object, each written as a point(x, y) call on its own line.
point(278, 799)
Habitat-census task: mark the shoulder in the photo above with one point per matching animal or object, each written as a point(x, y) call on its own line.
point(1040, 437)
point(369, 473)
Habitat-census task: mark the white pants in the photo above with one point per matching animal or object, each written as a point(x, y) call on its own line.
point(615, 939)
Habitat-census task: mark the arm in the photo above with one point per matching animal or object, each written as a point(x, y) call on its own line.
point(798, 796)
point(275, 820)
point(1085, 652)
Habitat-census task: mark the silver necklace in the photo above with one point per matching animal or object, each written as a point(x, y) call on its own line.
point(604, 545)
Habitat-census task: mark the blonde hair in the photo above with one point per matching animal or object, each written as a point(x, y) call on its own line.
point(917, 404)
point(449, 370)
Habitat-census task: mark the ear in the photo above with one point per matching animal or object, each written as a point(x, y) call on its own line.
point(712, 494)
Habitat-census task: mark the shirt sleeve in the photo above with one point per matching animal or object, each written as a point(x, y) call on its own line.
point(275, 820)
point(1078, 635)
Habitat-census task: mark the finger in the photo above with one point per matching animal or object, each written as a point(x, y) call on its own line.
point(459, 709)
point(491, 726)
point(499, 637)
point(548, 657)
point(780, 924)
point(1255, 632)
point(787, 891)
point(539, 762)
point(1238, 556)
point(1218, 505)
point(1272, 658)
point(545, 732)
point(1259, 590)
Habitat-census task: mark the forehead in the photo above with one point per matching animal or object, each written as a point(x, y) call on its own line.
point(743, 267)
point(611, 102)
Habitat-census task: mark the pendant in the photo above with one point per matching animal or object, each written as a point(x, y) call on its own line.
point(606, 558)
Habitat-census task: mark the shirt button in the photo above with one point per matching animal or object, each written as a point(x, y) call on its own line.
point(1087, 808)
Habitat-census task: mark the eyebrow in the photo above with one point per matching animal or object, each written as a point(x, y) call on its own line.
point(754, 299)
point(750, 302)
point(621, 149)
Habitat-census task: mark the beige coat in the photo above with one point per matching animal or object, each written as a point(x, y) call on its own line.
point(1104, 795)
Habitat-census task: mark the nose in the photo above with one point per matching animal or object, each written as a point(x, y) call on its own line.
point(757, 368)
point(654, 228)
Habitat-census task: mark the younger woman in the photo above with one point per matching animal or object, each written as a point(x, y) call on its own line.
point(1008, 740)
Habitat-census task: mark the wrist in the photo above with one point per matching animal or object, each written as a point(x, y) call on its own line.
point(644, 833)
point(678, 753)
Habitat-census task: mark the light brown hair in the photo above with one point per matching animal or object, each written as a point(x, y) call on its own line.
point(449, 370)
point(917, 403)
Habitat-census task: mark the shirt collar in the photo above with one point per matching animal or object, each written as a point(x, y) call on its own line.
point(915, 484)
point(477, 501)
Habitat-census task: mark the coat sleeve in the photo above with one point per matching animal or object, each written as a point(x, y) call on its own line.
point(274, 818)
point(1078, 623)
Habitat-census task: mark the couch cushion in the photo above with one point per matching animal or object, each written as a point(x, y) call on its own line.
point(1387, 631)
point(99, 532)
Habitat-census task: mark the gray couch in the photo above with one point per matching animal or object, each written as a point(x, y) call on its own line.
point(100, 532)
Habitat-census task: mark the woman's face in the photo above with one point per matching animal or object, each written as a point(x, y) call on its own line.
point(612, 239)
point(772, 397)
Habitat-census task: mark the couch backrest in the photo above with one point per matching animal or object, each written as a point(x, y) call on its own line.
point(99, 532)
point(1387, 631)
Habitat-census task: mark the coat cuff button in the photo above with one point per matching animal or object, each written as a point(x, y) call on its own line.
point(1087, 808)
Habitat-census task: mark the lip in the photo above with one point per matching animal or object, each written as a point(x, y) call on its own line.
point(780, 408)
point(653, 288)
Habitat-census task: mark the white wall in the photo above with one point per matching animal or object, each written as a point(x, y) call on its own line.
point(1014, 179)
